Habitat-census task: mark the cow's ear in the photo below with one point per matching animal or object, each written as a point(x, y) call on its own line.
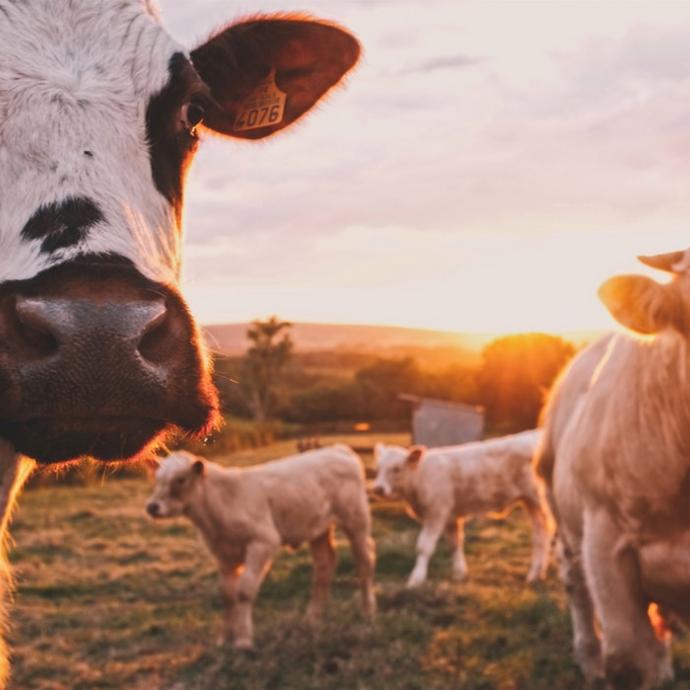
point(198, 468)
point(378, 450)
point(640, 303)
point(267, 72)
point(415, 455)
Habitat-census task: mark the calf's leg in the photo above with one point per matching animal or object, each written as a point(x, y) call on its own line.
point(455, 532)
point(257, 563)
point(634, 658)
point(364, 553)
point(540, 540)
point(432, 528)
point(324, 562)
point(227, 579)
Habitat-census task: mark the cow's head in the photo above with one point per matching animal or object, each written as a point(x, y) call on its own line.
point(177, 477)
point(394, 468)
point(648, 307)
point(100, 115)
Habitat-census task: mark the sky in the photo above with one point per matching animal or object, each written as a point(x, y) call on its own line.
point(485, 168)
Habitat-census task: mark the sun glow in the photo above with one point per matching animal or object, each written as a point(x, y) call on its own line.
point(446, 281)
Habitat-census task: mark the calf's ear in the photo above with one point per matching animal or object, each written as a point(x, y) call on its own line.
point(198, 468)
point(266, 72)
point(640, 303)
point(151, 466)
point(415, 455)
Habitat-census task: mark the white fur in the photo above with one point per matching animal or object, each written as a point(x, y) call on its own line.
point(452, 483)
point(245, 515)
point(78, 76)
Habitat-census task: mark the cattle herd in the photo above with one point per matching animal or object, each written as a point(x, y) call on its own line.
point(101, 111)
point(246, 515)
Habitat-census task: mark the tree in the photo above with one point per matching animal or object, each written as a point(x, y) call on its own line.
point(382, 381)
point(270, 349)
point(516, 372)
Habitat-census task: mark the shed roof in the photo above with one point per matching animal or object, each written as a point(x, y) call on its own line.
point(435, 402)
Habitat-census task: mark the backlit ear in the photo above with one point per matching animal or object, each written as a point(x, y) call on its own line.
point(673, 262)
point(198, 468)
point(151, 466)
point(267, 72)
point(639, 303)
point(415, 455)
point(378, 450)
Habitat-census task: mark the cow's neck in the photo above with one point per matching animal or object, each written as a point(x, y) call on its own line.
point(643, 385)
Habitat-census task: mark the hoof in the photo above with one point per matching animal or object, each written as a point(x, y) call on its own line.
point(244, 646)
point(415, 581)
point(588, 658)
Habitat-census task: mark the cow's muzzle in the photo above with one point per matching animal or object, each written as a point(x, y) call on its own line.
point(98, 365)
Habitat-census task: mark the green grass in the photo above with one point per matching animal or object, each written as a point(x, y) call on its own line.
point(108, 599)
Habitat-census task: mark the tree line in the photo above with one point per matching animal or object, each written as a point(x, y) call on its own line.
point(273, 381)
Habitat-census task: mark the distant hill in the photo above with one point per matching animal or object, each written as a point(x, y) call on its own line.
point(230, 339)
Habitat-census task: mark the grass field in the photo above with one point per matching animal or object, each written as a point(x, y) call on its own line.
point(108, 599)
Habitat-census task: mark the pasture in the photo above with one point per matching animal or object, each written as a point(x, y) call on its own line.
point(106, 598)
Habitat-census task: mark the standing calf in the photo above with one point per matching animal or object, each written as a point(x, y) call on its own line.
point(246, 515)
point(443, 486)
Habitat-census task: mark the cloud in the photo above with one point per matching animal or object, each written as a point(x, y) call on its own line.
point(572, 127)
point(444, 63)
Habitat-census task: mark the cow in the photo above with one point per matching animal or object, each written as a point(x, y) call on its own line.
point(246, 515)
point(442, 487)
point(101, 112)
point(615, 457)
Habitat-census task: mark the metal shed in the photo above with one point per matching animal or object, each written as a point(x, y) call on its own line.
point(444, 423)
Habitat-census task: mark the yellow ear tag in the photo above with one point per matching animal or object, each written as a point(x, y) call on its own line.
point(264, 107)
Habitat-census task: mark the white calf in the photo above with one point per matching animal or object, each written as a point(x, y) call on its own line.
point(245, 515)
point(443, 486)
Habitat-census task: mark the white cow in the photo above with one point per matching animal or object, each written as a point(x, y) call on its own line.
point(101, 112)
point(443, 486)
point(616, 458)
point(246, 515)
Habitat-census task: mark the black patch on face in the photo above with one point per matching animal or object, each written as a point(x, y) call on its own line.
point(62, 224)
point(171, 145)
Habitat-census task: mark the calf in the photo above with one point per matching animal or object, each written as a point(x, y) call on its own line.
point(101, 113)
point(616, 459)
point(246, 515)
point(443, 486)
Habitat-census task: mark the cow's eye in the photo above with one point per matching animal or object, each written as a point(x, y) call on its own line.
point(179, 482)
point(193, 115)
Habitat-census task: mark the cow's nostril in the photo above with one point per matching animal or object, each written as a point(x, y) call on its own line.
point(155, 344)
point(32, 331)
point(153, 509)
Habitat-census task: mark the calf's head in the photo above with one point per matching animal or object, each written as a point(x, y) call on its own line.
point(176, 478)
point(394, 468)
point(100, 115)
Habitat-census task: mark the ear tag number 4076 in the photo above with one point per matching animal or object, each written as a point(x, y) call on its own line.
point(264, 107)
